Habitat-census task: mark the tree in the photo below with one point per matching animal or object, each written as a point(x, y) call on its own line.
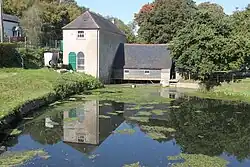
point(31, 23)
point(160, 21)
point(207, 45)
point(212, 7)
point(126, 29)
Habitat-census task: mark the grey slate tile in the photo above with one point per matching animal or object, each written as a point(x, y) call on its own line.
point(142, 56)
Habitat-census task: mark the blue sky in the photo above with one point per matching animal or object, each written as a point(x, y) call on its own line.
point(125, 9)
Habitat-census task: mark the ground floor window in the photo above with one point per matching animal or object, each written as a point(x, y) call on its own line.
point(80, 61)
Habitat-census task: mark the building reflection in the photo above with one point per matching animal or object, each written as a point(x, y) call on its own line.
point(84, 130)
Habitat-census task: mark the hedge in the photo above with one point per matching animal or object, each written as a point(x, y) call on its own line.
point(9, 56)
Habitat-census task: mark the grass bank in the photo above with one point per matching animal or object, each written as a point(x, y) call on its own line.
point(236, 91)
point(19, 86)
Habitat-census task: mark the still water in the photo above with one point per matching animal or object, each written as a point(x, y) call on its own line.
point(110, 134)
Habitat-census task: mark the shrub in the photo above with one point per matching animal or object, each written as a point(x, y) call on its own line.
point(69, 83)
point(33, 58)
point(9, 56)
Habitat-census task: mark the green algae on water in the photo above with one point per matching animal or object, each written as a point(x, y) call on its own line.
point(159, 112)
point(156, 136)
point(158, 129)
point(198, 160)
point(15, 132)
point(144, 113)
point(113, 113)
point(104, 116)
point(119, 112)
point(70, 119)
point(125, 131)
point(12, 159)
point(93, 156)
point(139, 119)
point(137, 164)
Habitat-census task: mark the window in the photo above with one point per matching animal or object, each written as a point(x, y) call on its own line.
point(126, 71)
point(80, 61)
point(147, 72)
point(80, 35)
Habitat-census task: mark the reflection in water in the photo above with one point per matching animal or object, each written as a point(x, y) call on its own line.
point(84, 130)
point(81, 125)
point(187, 125)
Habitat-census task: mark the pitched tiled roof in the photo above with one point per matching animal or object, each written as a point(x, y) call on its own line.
point(12, 18)
point(90, 20)
point(143, 56)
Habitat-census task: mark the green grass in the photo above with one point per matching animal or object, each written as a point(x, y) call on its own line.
point(198, 160)
point(18, 86)
point(233, 91)
point(18, 158)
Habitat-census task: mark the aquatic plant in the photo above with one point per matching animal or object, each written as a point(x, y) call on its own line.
point(159, 112)
point(144, 113)
point(15, 132)
point(12, 159)
point(125, 131)
point(119, 112)
point(113, 113)
point(70, 119)
point(139, 95)
point(104, 116)
point(139, 119)
point(159, 129)
point(156, 136)
point(198, 160)
point(137, 164)
point(93, 156)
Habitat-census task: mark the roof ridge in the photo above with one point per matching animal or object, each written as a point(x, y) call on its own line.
point(90, 15)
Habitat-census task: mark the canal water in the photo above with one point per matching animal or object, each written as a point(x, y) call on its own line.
point(187, 131)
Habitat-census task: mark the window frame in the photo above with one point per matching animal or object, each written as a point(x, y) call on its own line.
point(126, 71)
point(146, 72)
point(80, 66)
point(81, 35)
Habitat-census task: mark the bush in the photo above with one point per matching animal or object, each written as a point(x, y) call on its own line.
point(9, 56)
point(33, 58)
point(74, 83)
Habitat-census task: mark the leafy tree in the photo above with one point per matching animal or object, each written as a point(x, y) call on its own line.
point(31, 23)
point(212, 7)
point(207, 45)
point(126, 29)
point(160, 21)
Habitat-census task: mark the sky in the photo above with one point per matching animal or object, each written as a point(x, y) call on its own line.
point(125, 10)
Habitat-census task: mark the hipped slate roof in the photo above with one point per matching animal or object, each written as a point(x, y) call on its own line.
point(90, 20)
point(11, 18)
point(142, 56)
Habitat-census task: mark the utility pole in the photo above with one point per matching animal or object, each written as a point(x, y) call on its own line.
point(1, 21)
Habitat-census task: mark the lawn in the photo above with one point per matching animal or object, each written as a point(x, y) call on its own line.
point(18, 86)
point(230, 91)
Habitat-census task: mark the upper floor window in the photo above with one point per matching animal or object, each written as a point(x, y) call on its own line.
point(80, 35)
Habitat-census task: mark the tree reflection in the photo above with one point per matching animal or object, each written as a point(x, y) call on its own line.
point(211, 127)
